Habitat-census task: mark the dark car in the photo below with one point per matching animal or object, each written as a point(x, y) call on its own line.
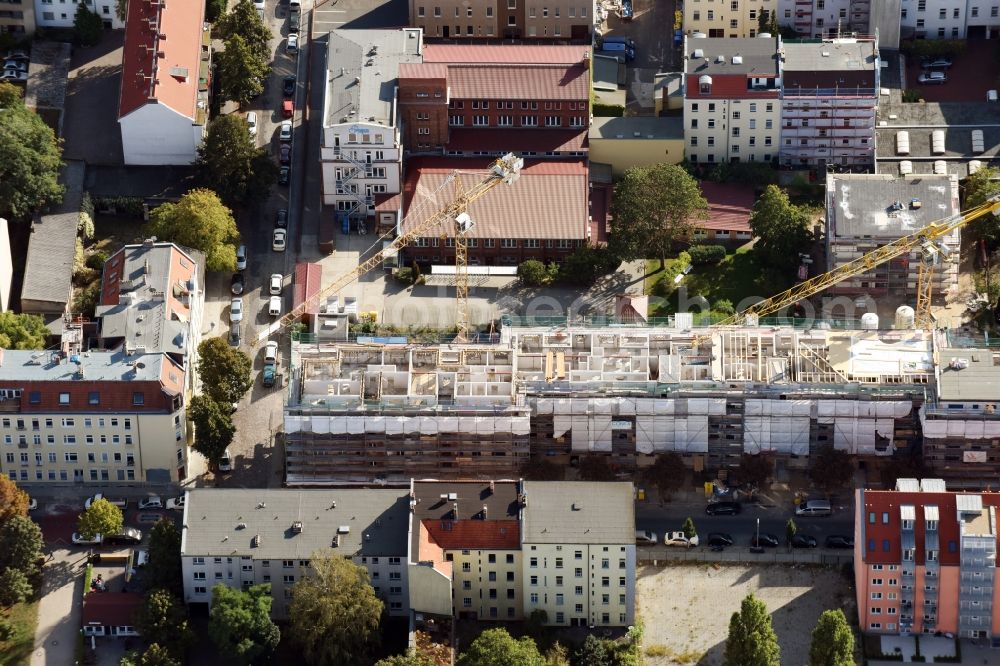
point(765, 539)
point(236, 284)
point(284, 175)
point(281, 221)
point(723, 509)
point(803, 541)
point(937, 61)
point(129, 537)
point(719, 539)
point(285, 156)
point(288, 86)
point(839, 541)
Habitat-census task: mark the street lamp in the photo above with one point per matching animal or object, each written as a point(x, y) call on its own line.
point(758, 532)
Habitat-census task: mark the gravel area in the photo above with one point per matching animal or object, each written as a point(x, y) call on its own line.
point(686, 609)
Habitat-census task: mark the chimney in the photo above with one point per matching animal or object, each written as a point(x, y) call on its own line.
point(493, 487)
point(454, 510)
point(484, 512)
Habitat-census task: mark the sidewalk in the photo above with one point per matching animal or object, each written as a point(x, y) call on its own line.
point(59, 610)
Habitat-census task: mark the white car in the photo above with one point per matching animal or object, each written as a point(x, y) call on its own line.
point(236, 310)
point(151, 502)
point(175, 503)
point(932, 78)
point(258, 4)
point(274, 306)
point(274, 284)
point(270, 352)
point(278, 240)
point(241, 258)
point(292, 45)
point(678, 539)
point(286, 131)
point(80, 540)
point(226, 462)
point(252, 123)
point(32, 504)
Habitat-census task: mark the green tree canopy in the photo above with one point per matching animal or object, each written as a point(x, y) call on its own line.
point(22, 331)
point(244, 22)
point(230, 162)
point(596, 468)
point(226, 373)
point(666, 474)
point(200, 221)
point(408, 659)
point(241, 72)
point(495, 647)
point(10, 95)
point(164, 570)
point(214, 9)
point(755, 470)
point(240, 622)
point(213, 428)
point(13, 500)
point(334, 612)
point(539, 468)
point(751, 641)
point(832, 641)
point(831, 468)
point(688, 527)
point(977, 190)
point(163, 620)
point(30, 157)
point(652, 208)
point(22, 545)
point(557, 655)
point(87, 25)
point(102, 517)
point(121, 8)
point(791, 529)
point(781, 228)
point(154, 655)
point(14, 587)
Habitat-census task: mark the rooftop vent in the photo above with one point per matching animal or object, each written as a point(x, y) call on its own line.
point(698, 53)
point(737, 60)
point(179, 72)
point(336, 540)
point(241, 526)
point(825, 54)
point(261, 505)
point(344, 529)
point(720, 59)
point(255, 542)
point(297, 527)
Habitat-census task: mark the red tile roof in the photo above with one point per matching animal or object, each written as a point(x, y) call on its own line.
point(113, 609)
point(506, 53)
point(502, 81)
point(474, 534)
point(727, 86)
point(549, 200)
point(729, 206)
point(388, 202)
point(308, 278)
point(150, 78)
point(422, 70)
point(540, 140)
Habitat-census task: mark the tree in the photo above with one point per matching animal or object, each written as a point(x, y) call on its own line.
point(586, 264)
point(226, 373)
point(557, 655)
point(755, 470)
point(532, 273)
point(653, 207)
point(495, 647)
point(666, 474)
point(751, 641)
point(409, 659)
point(781, 228)
point(164, 570)
point(334, 612)
point(240, 622)
point(763, 20)
point(977, 190)
point(102, 517)
point(200, 221)
point(230, 162)
point(121, 9)
point(595, 652)
point(688, 528)
point(595, 468)
point(13, 500)
point(22, 331)
point(214, 9)
point(30, 157)
point(244, 22)
point(790, 529)
point(10, 95)
point(213, 428)
point(163, 620)
point(154, 655)
point(831, 468)
point(87, 26)
point(14, 587)
point(773, 28)
point(832, 641)
point(542, 469)
point(22, 545)
point(241, 73)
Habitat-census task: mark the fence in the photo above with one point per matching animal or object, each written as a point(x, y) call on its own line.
point(664, 555)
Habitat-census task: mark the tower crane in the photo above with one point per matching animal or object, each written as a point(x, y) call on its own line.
point(504, 170)
point(925, 240)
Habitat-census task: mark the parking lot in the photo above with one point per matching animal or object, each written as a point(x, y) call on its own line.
point(972, 73)
point(686, 608)
point(652, 30)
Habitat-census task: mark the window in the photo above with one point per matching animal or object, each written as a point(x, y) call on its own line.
point(534, 597)
point(510, 558)
point(288, 578)
point(64, 398)
point(533, 580)
point(199, 575)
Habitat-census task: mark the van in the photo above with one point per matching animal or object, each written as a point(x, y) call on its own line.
point(814, 508)
point(619, 39)
point(618, 49)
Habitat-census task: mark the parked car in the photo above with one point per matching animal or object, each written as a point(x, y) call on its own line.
point(129, 537)
point(839, 541)
point(285, 154)
point(645, 538)
point(768, 540)
point(81, 540)
point(285, 134)
point(288, 86)
point(625, 13)
point(814, 508)
point(287, 108)
point(235, 310)
point(292, 44)
point(13, 75)
point(258, 4)
point(270, 352)
point(176, 503)
point(236, 334)
point(678, 539)
point(274, 285)
point(236, 284)
point(252, 123)
point(278, 240)
point(803, 541)
point(119, 502)
point(32, 504)
point(281, 219)
point(284, 175)
point(719, 539)
point(151, 502)
point(226, 462)
point(726, 508)
point(241, 258)
point(932, 78)
point(936, 61)
point(274, 306)
point(294, 14)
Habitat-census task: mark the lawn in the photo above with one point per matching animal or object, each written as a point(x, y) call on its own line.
point(16, 651)
point(737, 277)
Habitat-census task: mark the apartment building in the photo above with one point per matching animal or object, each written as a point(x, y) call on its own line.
point(579, 552)
point(726, 18)
point(865, 211)
point(827, 18)
point(62, 13)
point(465, 557)
point(732, 105)
point(829, 95)
point(506, 19)
point(243, 537)
point(17, 17)
point(165, 82)
point(92, 417)
point(925, 561)
point(942, 19)
point(361, 152)
point(982, 20)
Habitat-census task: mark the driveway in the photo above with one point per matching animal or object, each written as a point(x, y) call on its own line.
point(90, 128)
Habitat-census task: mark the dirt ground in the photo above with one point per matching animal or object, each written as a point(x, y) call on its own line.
point(686, 609)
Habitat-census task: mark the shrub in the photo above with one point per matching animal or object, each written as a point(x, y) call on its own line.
point(404, 275)
point(97, 260)
point(583, 267)
point(86, 301)
point(912, 95)
point(706, 254)
point(724, 305)
point(608, 110)
point(532, 273)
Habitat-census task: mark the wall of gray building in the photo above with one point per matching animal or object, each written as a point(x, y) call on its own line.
point(884, 18)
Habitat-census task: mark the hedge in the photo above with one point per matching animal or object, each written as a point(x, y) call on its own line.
point(706, 254)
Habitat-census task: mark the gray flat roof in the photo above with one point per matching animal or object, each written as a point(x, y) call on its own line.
point(579, 512)
point(829, 56)
point(638, 127)
point(978, 380)
point(858, 204)
point(97, 366)
point(606, 71)
point(759, 56)
point(470, 496)
point(957, 143)
point(362, 69)
point(224, 521)
point(896, 113)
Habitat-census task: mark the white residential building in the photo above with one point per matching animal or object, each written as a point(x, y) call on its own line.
point(938, 19)
point(62, 13)
point(829, 18)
